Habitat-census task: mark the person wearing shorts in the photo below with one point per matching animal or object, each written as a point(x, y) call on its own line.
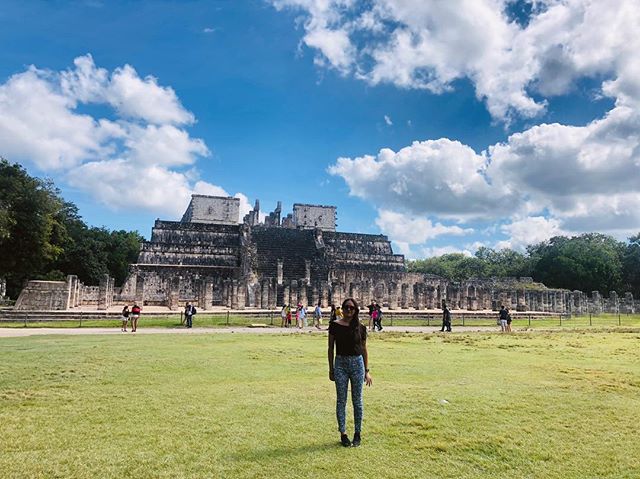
point(135, 315)
point(125, 318)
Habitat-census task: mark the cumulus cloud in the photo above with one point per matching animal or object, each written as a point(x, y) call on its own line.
point(529, 230)
point(441, 177)
point(428, 44)
point(132, 96)
point(410, 230)
point(388, 121)
point(135, 159)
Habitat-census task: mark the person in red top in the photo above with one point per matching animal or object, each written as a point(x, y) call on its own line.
point(135, 314)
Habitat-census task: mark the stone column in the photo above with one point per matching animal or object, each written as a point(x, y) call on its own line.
point(315, 295)
point(174, 293)
point(628, 303)
point(102, 292)
point(273, 293)
point(242, 294)
point(393, 295)
point(280, 272)
point(337, 293)
point(287, 294)
point(324, 293)
point(226, 295)
point(404, 296)
point(72, 283)
point(307, 271)
point(302, 295)
point(295, 292)
point(207, 297)
point(264, 299)
point(596, 299)
point(234, 294)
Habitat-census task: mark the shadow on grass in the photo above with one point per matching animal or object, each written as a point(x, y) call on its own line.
point(285, 451)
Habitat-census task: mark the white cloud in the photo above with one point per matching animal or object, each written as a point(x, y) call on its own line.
point(131, 161)
point(409, 230)
point(208, 30)
point(428, 44)
point(388, 121)
point(440, 177)
point(529, 230)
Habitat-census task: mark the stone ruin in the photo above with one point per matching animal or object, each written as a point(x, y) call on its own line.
point(210, 259)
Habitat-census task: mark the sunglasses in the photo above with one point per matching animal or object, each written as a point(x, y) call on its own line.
point(349, 308)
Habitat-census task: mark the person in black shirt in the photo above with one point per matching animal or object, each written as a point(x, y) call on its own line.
point(349, 338)
point(446, 318)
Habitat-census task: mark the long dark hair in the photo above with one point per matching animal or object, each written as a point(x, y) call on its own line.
point(354, 324)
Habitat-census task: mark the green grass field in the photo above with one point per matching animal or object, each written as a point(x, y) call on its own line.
point(530, 405)
point(204, 320)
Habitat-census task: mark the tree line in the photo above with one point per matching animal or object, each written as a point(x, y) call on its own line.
point(588, 262)
point(42, 236)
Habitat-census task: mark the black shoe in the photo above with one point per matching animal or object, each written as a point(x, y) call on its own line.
point(344, 440)
point(356, 440)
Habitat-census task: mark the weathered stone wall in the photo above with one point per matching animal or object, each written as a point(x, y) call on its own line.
point(44, 295)
point(212, 209)
point(314, 216)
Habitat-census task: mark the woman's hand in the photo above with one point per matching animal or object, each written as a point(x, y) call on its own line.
point(367, 379)
point(331, 376)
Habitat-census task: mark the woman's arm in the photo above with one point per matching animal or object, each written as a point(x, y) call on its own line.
point(365, 355)
point(332, 341)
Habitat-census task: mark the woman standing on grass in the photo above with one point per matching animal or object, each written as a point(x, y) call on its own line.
point(135, 315)
point(351, 364)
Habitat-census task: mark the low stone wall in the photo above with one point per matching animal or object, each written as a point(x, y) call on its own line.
point(44, 295)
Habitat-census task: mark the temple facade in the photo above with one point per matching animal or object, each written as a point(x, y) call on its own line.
point(211, 259)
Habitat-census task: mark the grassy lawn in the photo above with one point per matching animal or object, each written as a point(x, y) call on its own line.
point(532, 405)
point(204, 320)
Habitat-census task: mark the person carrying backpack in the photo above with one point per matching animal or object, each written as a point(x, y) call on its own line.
point(189, 312)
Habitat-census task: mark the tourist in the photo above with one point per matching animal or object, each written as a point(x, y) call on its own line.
point(125, 318)
point(377, 322)
point(372, 308)
point(303, 316)
point(508, 321)
point(351, 365)
point(332, 314)
point(317, 316)
point(446, 318)
point(288, 316)
point(189, 311)
point(338, 313)
point(283, 315)
point(503, 318)
point(135, 315)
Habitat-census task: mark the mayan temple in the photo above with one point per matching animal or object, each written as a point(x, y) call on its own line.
point(211, 259)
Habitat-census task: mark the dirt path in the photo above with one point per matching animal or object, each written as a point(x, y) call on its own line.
point(19, 332)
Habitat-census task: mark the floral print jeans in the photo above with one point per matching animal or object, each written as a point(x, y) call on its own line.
point(349, 368)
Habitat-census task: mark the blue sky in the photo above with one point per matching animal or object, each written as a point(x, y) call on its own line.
point(445, 125)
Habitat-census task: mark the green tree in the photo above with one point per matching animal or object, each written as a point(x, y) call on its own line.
point(44, 237)
point(504, 263)
point(454, 266)
point(30, 230)
point(631, 266)
point(589, 262)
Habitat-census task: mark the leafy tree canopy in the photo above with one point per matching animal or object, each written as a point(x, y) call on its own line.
point(43, 237)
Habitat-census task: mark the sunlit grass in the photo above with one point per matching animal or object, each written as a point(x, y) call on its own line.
point(561, 405)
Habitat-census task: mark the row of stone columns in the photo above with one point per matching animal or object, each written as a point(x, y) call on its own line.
point(105, 292)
